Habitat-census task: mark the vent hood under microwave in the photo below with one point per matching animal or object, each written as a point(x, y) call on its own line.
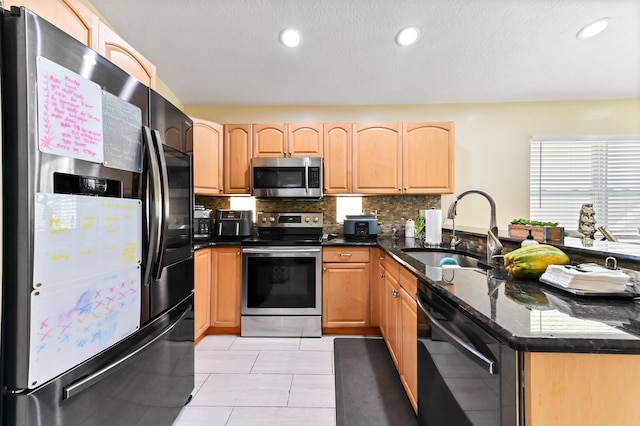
point(297, 177)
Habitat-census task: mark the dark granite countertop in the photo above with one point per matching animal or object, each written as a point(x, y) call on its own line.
point(529, 315)
point(214, 242)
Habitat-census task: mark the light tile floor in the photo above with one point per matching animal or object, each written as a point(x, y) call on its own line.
point(247, 381)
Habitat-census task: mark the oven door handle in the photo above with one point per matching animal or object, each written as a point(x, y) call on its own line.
point(282, 250)
point(462, 346)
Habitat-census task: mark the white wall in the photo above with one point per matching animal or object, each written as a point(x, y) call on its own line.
point(492, 140)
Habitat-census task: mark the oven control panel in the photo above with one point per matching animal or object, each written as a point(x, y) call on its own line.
point(289, 220)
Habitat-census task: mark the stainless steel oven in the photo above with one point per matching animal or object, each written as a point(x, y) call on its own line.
point(282, 277)
point(466, 377)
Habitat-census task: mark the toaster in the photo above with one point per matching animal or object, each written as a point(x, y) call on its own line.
point(361, 226)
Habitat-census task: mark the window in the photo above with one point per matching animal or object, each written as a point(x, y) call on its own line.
point(567, 172)
point(347, 205)
point(243, 203)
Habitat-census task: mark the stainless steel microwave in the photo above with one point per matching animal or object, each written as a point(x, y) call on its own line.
point(296, 177)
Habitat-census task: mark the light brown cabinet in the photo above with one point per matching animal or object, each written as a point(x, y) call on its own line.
point(338, 158)
point(409, 336)
point(399, 323)
point(71, 16)
point(226, 288)
point(428, 151)
point(305, 140)
point(117, 50)
point(238, 141)
point(270, 140)
point(287, 140)
point(377, 153)
point(345, 287)
point(202, 292)
point(207, 157)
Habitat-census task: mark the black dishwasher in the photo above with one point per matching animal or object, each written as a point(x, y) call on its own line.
point(466, 377)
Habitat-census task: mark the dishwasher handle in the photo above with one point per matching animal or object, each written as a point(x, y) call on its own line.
point(469, 351)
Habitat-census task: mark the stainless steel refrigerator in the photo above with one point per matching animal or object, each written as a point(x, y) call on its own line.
point(97, 304)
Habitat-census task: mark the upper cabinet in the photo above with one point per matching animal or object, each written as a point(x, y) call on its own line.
point(338, 154)
point(114, 48)
point(207, 157)
point(287, 140)
point(377, 154)
point(71, 16)
point(407, 158)
point(428, 151)
point(269, 140)
point(238, 139)
point(304, 140)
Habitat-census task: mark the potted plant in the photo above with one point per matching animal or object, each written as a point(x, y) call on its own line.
point(542, 231)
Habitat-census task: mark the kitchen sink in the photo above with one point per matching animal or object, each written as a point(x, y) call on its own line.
point(432, 257)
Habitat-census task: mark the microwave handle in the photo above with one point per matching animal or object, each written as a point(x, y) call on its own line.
point(306, 177)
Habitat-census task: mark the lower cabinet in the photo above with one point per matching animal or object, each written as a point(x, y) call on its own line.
point(202, 291)
point(345, 287)
point(399, 324)
point(226, 286)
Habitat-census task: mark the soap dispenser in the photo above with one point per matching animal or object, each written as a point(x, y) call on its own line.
point(529, 241)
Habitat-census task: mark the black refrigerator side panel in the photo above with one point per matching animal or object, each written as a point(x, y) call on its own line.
point(150, 387)
point(176, 278)
point(28, 171)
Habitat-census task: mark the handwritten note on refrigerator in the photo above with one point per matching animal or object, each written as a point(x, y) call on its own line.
point(122, 124)
point(69, 113)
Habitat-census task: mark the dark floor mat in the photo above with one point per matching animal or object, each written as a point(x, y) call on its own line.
point(368, 387)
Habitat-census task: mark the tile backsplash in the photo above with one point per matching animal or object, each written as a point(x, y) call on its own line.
point(392, 210)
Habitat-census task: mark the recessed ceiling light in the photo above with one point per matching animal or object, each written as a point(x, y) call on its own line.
point(408, 36)
point(593, 28)
point(290, 37)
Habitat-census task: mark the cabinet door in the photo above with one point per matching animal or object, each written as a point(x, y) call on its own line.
point(226, 289)
point(409, 351)
point(269, 140)
point(207, 157)
point(377, 150)
point(428, 158)
point(202, 291)
point(338, 155)
point(305, 140)
point(237, 158)
point(392, 327)
point(118, 51)
point(71, 16)
point(345, 294)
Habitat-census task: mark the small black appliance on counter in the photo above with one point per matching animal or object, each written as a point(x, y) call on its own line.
point(201, 223)
point(361, 227)
point(234, 223)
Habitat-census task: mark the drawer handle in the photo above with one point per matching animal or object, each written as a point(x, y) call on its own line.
point(345, 254)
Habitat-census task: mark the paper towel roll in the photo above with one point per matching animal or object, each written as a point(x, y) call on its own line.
point(433, 227)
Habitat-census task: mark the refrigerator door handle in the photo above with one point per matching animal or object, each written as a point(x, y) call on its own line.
point(164, 180)
point(80, 385)
point(155, 205)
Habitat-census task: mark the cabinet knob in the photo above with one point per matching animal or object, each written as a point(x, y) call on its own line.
point(380, 258)
point(324, 269)
point(221, 189)
point(238, 253)
point(405, 188)
point(400, 189)
point(381, 275)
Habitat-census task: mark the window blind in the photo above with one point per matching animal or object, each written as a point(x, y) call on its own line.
point(566, 172)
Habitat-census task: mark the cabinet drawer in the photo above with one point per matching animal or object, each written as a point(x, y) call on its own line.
point(408, 281)
point(345, 254)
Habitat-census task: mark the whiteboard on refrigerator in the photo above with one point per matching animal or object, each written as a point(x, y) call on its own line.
point(86, 289)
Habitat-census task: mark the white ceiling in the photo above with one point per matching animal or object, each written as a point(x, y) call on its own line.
point(219, 52)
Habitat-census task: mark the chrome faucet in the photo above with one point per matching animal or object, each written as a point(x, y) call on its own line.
point(494, 247)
